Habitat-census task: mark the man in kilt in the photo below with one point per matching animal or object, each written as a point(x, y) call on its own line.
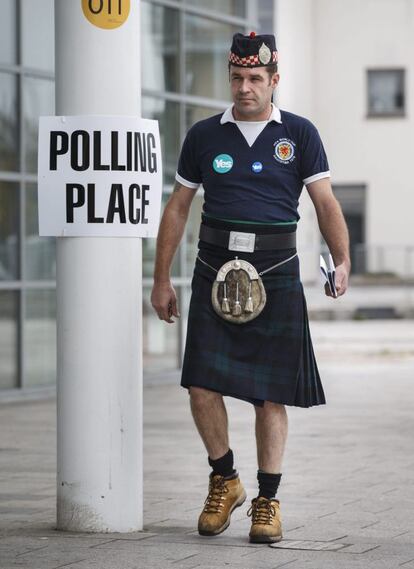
point(248, 332)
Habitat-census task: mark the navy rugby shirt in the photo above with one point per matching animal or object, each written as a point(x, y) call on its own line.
point(258, 183)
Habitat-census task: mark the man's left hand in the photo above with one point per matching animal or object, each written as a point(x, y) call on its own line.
point(341, 280)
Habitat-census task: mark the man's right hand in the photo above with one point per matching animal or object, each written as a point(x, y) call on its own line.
point(164, 301)
point(170, 232)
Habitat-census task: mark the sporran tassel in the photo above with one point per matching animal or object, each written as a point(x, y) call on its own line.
point(225, 306)
point(249, 301)
point(237, 307)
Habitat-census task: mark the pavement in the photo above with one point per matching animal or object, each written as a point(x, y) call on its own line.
point(397, 299)
point(347, 489)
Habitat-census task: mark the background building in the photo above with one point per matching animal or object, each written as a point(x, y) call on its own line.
point(184, 51)
point(346, 66)
point(349, 66)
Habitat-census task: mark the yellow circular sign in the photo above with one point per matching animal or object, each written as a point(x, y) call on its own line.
point(106, 14)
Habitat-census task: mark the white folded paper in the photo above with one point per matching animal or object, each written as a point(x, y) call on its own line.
point(328, 274)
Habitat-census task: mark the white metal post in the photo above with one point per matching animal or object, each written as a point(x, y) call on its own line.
point(99, 302)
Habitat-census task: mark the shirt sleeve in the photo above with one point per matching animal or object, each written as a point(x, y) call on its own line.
point(188, 170)
point(314, 162)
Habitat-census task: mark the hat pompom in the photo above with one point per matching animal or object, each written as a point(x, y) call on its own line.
point(252, 35)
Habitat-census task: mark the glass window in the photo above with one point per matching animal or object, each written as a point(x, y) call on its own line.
point(160, 339)
point(9, 125)
point(9, 302)
point(194, 113)
point(193, 228)
point(39, 99)
point(149, 250)
point(8, 31)
point(9, 228)
point(207, 46)
point(38, 34)
point(168, 115)
point(386, 92)
point(229, 7)
point(265, 11)
point(40, 251)
point(352, 199)
point(159, 40)
point(40, 337)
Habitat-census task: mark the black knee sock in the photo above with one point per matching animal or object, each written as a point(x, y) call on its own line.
point(268, 483)
point(223, 465)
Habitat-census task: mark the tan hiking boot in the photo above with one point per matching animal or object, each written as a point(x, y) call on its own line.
point(224, 495)
point(266, 523)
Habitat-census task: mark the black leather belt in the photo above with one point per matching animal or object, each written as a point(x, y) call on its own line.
point(248, 242)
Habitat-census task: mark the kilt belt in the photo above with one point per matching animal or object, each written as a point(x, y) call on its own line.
point(248, 242)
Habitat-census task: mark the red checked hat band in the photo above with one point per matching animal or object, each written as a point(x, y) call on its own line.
point(250, 60)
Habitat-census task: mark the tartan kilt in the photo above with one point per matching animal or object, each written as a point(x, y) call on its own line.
point(268, 358)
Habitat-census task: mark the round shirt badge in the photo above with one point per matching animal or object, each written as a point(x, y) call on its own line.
point(284, 150)
point(257, 167)
point(223, 163)
point(264, 54)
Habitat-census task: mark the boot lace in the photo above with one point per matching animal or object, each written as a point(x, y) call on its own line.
point(214, 501)
point(261, 511)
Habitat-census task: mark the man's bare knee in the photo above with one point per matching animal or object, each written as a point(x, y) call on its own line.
point(201, 396)
point(270, 407)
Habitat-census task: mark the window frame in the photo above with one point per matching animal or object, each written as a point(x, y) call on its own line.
point(371, 113)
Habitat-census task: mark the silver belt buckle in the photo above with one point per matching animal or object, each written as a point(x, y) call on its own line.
point(239, 241)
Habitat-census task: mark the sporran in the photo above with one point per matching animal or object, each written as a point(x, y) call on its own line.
point(238, 294)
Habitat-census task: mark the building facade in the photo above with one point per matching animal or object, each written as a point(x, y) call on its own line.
point(184, 78)
point(349, 67)
point(346, 66)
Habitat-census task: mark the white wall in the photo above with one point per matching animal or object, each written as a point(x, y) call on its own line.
point(325, 48)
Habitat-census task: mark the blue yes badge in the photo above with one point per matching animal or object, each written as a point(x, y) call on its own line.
point(257, 167)
point(223, 163)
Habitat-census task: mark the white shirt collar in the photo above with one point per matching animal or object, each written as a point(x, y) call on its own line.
point(228, 115)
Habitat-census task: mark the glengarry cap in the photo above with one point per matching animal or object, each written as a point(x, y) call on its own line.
point(253, 50)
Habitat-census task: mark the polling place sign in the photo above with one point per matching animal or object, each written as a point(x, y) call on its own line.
point(99, 176)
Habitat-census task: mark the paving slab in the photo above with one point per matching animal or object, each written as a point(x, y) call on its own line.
point(347, 489)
